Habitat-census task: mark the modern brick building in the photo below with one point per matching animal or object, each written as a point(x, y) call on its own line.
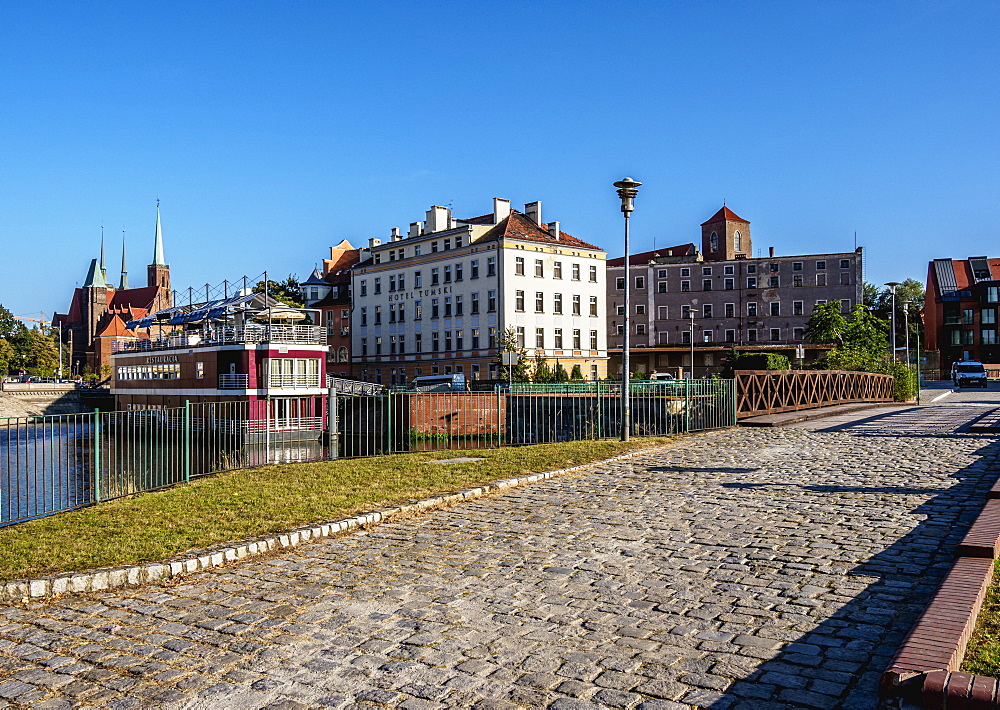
point(738, 300)
point(960, 310)
point(436, 300)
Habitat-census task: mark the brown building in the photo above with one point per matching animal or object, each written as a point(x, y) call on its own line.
point(329, 291)
point(738, 301)
point(960, 310)
point(98, 311)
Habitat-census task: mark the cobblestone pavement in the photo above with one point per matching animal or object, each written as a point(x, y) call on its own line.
point(747, 568)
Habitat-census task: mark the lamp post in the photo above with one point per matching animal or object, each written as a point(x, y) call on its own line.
point(627, 190)
point(906, 328)
point(691, 316)
point(892, 343)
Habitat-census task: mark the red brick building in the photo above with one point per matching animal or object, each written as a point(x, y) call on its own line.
point(960, 310)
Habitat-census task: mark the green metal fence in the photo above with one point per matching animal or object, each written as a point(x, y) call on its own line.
point(55, 463)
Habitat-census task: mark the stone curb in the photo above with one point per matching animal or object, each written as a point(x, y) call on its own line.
point(114, 577)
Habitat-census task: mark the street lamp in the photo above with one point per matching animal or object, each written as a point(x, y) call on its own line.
point(691, 316)
point(906, 327)
point(627, 190)
point(892, 343)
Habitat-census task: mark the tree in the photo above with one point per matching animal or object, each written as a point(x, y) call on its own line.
point(288, 291)
point(865, 332)
point(880, 302)
point(560, 373)
point(542, 371)
point(577, 373)
point(7, 357)
point(521, 372)
point(39, 355)
point(826, 324)
point(8, 324)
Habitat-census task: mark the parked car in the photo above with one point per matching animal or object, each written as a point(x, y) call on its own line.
point(969, 373)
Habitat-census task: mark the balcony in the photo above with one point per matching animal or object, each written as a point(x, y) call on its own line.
point(225, 335)
point(294, 380)
point(234, 382)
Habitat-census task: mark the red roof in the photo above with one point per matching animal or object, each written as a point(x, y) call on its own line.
point(115, 329)
point(724, 214)
point(517, 226)
point(645, 257)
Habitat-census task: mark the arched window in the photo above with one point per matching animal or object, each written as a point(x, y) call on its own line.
point(738, 241)
point(713, 242)
point(342, 354)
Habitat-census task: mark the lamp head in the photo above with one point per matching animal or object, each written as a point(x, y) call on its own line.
point(627, 190)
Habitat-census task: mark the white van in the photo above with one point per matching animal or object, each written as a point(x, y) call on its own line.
point(969, 373)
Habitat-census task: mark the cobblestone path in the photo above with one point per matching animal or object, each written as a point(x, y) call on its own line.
point(746, 568)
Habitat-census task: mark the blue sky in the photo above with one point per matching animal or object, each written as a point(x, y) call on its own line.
point(272, 130)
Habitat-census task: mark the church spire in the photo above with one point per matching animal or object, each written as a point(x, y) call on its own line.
point(95, 277)
point(158, 259)
point(123, 284)
point(103, 266)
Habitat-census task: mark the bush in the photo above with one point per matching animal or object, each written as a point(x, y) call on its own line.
point(904, 379)
point(756, 361)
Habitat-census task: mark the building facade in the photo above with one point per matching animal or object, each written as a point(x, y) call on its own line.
point(437, 300)
point(329, 292)
point(738, 301)
point(960, 310)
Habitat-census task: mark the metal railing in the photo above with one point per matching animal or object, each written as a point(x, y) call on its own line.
point(353, 387)
point(772, 391)
point(234, 382)
point(298, 379)
point(225, 334)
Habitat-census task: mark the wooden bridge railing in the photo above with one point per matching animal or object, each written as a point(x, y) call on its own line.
point(771, 391)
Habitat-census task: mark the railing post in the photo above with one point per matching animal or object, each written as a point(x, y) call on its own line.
point(97, 456)
point(687, 400)
point(187, 441)
point(333, 428)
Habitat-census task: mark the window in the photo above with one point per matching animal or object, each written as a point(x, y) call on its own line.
point(539, 302)
point(661, 312)
point(593, 306)
point(418, 310)
point(798, 333)
point(820, 265)
point(434, 247)
point(775, 308)
point(576, 338)
point(751, 268)
point(392, 312)
point(447, 244)
point(593, 274)
point(392, 351)
point(435, 342)
point(447, 274)
point(686, 337)
point(474, 306)
point(738, 241)
point(845, 278)
point(435, 276)
point(752, 335)
point(447, 341)
point(491, 302)
point(640, 309)
point(775, 333)
point(752, 309)
point(685, 271)
point(729, 284)
point(519, 265)
point(730, 310)
point(797, 308)
point(845, 263)
point(707, 310)
point(557, 303)
point(493, 337)
point(540, 338)
point(199, 370)
point(539, 269)
point(419, 344)
point(685, 285)
point(796, 280)
point(458, 245)
point(474, 269)
point(967, 316)
point(774, 268)
point(519, 301)
point(706, 271)
point(661, 286)
point(821, 279)
point(364, 315)
point(576, 305)
point(685, 312)
point(576, 272)
point(713, 242)
point(845, 306)
point(706, 336)
point(640, 328)
point(475, 339)
point(593, 340)
point(378, 285)
point(967, 337)
point(402, 282)
point(459, 303)
point(774, 282)
point(993, 294)
point(378, 315)
point(706, 284)
point(364, 287)
point(728, 270)
point(417, 280)
point(620, 283)
point(620, 310)
point(989, 316)
point(640, 282)
point(751, 282)
point(392, 284)
point(730, 336)
point(378, 345)
point(557, 269)
point(557, 339)
point(520, 336)
point(434, 308)
point(364, 346)
point(491, 266)
point(989, 337)
point(796, 266)
point(416, 250)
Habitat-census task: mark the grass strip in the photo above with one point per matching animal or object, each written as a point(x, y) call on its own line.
point(982, 656)
point(248, 503)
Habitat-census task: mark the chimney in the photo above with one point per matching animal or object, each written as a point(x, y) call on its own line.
point(416, 229)
point(437, 218)
point(501, 209)
point(373, 242)
point(396, 236)
point(554, 230)
point(770, 252)
point(533, 211)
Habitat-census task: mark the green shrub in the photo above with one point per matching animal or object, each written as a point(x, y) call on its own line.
point(756, 361)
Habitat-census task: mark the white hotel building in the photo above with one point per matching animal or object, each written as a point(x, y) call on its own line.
point(435, 301)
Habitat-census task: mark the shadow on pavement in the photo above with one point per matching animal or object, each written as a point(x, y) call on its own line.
point(838, 662)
